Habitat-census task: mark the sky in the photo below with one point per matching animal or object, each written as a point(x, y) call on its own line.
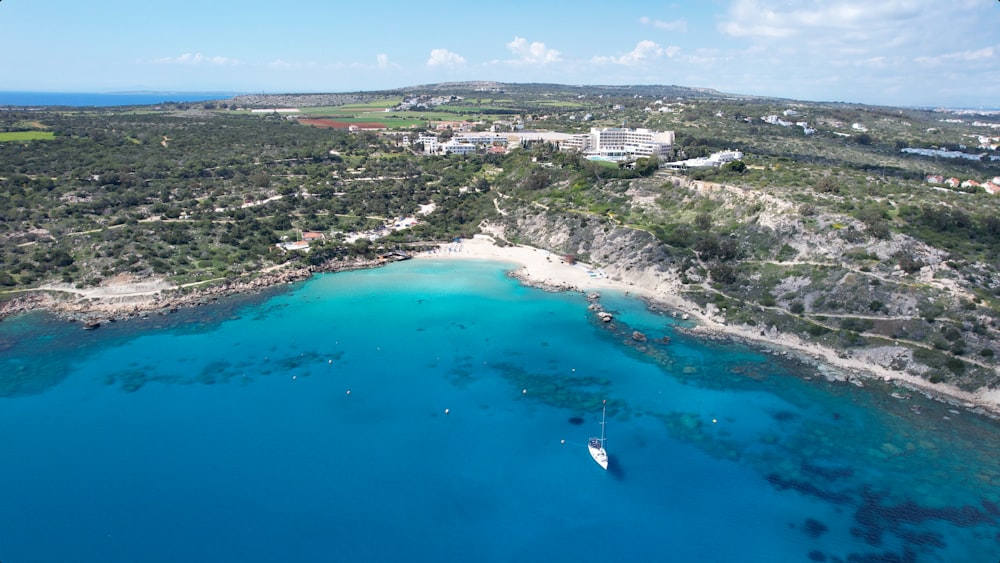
point(885, 52)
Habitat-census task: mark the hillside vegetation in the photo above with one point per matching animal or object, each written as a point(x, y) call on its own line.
point(833, 236)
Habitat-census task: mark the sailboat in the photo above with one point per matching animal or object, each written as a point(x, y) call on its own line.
point(596, 445)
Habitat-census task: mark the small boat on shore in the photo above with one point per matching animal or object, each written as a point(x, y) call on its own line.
point(596, 445)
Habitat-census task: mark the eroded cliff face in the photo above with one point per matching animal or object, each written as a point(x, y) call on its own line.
point(624, 253)
point(822, 278)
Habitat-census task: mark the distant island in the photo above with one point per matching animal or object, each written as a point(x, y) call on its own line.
point(838, 228)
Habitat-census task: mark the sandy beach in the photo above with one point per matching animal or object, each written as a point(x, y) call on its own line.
point(541, 268)
point(123, 298)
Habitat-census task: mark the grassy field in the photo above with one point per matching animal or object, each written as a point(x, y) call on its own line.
point(375, 104)
point(18, 136)
point(390, 122)
point(561, 104)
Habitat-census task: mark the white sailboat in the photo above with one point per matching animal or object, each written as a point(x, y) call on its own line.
point(596, 445)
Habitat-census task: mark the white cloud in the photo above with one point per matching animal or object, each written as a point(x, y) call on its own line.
point(283, 64)
point(644, 50)
point(843, 22)
point(533, 53)
point(445, 58)
point(679, 25)
point(382, 60)
point(961, 56)
point(776, 19)
point(883, 49)
point(197, 59)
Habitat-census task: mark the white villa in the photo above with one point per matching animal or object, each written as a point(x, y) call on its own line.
point(716, 159)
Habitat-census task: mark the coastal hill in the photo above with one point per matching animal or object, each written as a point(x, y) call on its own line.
point(871, 231)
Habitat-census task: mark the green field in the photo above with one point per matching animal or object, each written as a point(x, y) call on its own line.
point(18, 136)
point(391, 122)
point(376, 107)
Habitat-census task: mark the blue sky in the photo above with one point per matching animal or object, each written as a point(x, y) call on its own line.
point(894, 52)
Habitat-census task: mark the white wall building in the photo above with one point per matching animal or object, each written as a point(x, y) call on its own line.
point(715, 159)
point(455, 146)
point(488, 139)
point(620, 143)
point(430, 143)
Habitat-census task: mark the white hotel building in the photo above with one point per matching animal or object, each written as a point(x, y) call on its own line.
point(618, 143)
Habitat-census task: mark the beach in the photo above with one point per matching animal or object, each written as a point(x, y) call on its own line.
point(123, 298)
point(444, 409)
point(541, 268)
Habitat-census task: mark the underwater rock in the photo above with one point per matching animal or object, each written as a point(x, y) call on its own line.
point(827, 471)
point(891, 449)
point(814, 528)
point(689, 421)
point(806, 488)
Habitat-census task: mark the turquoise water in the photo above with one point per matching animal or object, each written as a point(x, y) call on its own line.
point(435, 411)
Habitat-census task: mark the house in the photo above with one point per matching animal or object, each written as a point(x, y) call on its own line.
point(934, 179)
point(775, 120)
point(295, 245)
point(970, 184)
point(404, 223)
point(992, 188)
point(952, 182)
point(310, 236)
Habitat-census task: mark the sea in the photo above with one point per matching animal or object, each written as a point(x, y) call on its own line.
point(438, 410)
point(106, 99)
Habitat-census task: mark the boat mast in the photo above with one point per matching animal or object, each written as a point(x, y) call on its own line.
point(604, 411)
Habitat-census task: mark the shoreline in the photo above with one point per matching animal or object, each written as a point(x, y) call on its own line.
point(543, 269)
point(125, 298)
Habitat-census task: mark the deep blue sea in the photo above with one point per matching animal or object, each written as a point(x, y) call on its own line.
point(439, 411)
point(37, 99)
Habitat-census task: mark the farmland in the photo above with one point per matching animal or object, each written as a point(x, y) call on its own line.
point(21, 136)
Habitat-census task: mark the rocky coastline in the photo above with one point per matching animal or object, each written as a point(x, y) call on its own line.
point(94, 308)
point(537, 269)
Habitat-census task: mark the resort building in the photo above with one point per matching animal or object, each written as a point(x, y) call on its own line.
point(455, 146)
point(429, 142)
point(620, 143)
point(486, 139)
